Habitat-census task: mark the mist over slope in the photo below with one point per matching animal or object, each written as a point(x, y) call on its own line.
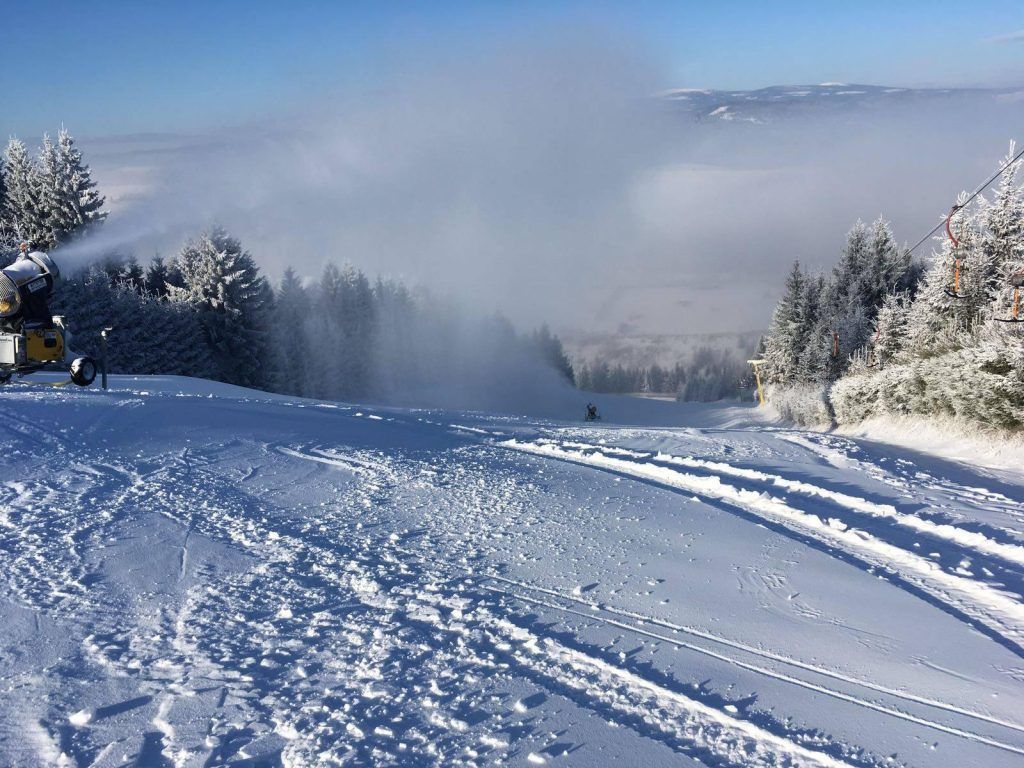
point(563, 183)
point(632, 349)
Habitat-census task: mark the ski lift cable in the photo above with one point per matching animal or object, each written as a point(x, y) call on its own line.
point(974, 194)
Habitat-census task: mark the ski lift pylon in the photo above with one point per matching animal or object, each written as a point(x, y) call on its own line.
point(757, 377)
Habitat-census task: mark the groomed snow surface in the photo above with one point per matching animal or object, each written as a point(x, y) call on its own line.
point(200, 575)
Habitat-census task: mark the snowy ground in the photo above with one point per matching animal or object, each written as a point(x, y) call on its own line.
point(198, 575)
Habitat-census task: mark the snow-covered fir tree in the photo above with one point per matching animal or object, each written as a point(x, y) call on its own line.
point(891, 268)
point(821, 323)
point(345, 323)
point(50, 191)
point(81, 202)
point(7, 237)
point(785, 342)
point(292, 345)
point(813, 349)
point(222, 281)
point(1002, 243)
point(395, 359)
point(132, 276)
point(950, 296)
point(942, 350)
point(51, 200)
point(858, 284)
point(891, 329)
point(27, 219)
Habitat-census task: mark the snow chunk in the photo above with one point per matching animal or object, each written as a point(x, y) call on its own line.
point(81, 717)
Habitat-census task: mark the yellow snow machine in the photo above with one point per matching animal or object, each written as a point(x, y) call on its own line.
point(31, 339)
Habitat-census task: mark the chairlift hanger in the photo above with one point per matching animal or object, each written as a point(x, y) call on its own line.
point(955, 293)
point(1016, 280)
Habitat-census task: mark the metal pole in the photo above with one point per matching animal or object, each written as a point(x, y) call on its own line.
point(103, 355)
point(757, 376)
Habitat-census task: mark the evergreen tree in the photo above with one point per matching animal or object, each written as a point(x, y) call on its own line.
point(291, 313)
point(783, 343)
point(222, 281)
point(150, 336)
point(891, 268)
point(396, 354)
point(77, 205)
point(27, 219)
point(583, 379)
point(937, 316)
point(358, 323)
point(856, 288)
point(1002, 243)
point(849, 280)
point(811, 362)
point(345, 323)
point(891, 328)
point(552, 351)
point(7, 237)
point(112, 265)
point(155, 281)
point(657, 379)
point(49, 191)
point(132, 276)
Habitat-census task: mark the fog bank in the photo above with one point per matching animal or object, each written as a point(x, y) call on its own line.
point(549, 183)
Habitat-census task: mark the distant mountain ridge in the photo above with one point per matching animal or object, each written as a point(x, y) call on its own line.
point(777, 102)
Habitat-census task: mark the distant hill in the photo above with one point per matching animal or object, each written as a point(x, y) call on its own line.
point(778, 102)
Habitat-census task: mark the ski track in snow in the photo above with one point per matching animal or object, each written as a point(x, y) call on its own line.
point(593, 615)
point(971, 541)
point(1000, 612)
point(686, 723)
point(903, 474)
point(341, 640)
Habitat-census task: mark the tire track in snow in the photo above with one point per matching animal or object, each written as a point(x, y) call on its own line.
point(998, 612)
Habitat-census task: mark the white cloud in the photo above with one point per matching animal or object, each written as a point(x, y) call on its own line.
point(1010, 37)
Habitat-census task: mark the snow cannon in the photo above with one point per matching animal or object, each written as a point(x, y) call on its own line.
point(30, 338)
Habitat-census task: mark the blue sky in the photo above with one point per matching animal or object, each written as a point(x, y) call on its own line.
point(121, 67)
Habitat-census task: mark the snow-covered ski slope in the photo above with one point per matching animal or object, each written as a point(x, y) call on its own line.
point(199, 575)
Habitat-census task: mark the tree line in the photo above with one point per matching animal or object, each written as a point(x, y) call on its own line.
point(48, 198)
point(884, 334)
point(707, 375)
point(208, 311)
